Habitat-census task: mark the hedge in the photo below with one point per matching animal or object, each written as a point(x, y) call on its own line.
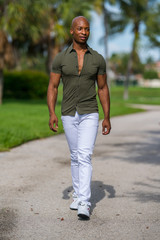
point(150, 74)
point(25, 84)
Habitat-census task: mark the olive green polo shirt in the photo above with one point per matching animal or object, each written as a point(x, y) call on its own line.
point(79, 92)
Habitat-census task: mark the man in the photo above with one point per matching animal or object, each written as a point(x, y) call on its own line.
point(80, 67)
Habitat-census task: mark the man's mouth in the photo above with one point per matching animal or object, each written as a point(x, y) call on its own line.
point(82, 37)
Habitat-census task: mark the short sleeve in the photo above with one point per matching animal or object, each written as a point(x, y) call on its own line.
point(102, 66)
point(56, 65)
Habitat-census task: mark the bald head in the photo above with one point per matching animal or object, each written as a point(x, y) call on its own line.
point(80, 30)
point(77, 20)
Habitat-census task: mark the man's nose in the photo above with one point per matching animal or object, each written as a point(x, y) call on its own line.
point(84, 31)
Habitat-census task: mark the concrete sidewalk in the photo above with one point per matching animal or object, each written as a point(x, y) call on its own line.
point(35, 186)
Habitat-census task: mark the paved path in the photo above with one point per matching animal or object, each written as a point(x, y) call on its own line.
point(35, 186)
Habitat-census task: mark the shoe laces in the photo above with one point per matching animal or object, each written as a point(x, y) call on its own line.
point(75, 199)
point(74, 195)
point(83, 204)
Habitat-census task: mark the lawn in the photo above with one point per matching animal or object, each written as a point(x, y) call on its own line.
point(137, 95)
point(22, 121)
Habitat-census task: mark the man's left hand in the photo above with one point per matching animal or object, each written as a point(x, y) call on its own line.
point(106, 126)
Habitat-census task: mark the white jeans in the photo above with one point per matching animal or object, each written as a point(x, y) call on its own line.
point(81, 132)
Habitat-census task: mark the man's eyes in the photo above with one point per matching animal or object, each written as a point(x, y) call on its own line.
point(79, 29)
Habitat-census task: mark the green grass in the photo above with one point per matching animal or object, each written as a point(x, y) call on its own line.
point(22, 121)
point(137, 95)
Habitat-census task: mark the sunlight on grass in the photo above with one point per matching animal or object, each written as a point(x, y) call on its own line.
point(22, 121)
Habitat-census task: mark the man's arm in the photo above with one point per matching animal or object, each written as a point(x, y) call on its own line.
point(52, 98)
point(103, 93)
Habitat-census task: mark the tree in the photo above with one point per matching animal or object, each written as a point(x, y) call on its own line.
point(38, 25)
point(20, 22)
point(50, 23)
point(100, 8)
point(150, 74)
point(119, 62)
point(149, 60)
point(132, 12)
point(153, 26)
point(65, 12)
point(6, 58)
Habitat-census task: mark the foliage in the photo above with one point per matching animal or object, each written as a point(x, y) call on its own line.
point(67, 10)
point(153, 26)
point(120, 82)
point(24, 19)
point(35, 27)
point(30, 22)
point(119, 62)
point(38, 26)
point(149, 60)
point(134, 13)
point(150, 74)
point(25, 84)
point(32, 62)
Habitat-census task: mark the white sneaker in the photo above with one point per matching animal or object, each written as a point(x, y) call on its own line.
point(83, 210)
point(74, 204)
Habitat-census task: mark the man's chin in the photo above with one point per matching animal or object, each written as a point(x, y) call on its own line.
point(82, 41)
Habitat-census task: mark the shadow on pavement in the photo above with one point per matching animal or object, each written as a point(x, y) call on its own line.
point(98, 189)
point(147, 152)
point(8, 221)
point(145, 197)
point(150, 191)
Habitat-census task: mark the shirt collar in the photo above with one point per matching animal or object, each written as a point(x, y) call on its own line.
point(70, 49)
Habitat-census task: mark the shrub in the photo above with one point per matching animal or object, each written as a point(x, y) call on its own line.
point(26, 84)
point(120, 82)
point(150, 74)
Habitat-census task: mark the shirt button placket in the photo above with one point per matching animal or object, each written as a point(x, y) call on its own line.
point(77, 82)
point(77, 91)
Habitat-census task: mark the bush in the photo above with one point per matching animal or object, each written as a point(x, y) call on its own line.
point(120, 82)
point(150, 74)
point(26, 84)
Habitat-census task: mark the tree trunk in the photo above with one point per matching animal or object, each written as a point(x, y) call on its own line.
point(126, 83)
point(105, 11)
point(1, 85)
point(130, 62)
point(53, 49)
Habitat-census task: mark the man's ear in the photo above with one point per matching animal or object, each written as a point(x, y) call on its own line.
point(71, 31)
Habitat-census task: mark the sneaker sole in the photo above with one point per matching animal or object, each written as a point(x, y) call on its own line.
point(83, 216)
point(74, 208)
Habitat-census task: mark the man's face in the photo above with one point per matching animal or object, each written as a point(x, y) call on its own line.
point(80, 30)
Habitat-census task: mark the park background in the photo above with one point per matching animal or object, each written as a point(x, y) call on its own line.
point(125, 32)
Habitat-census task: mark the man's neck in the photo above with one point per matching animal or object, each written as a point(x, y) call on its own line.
point(79, 47)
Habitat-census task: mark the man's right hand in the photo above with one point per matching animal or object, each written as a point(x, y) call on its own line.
point(53, 122)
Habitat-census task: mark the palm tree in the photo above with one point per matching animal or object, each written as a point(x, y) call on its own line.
point(132, 12)
point(101, 8)
point(153, 26)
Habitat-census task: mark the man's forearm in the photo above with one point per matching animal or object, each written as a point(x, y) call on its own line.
point(104, 97)
point(51, 99)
